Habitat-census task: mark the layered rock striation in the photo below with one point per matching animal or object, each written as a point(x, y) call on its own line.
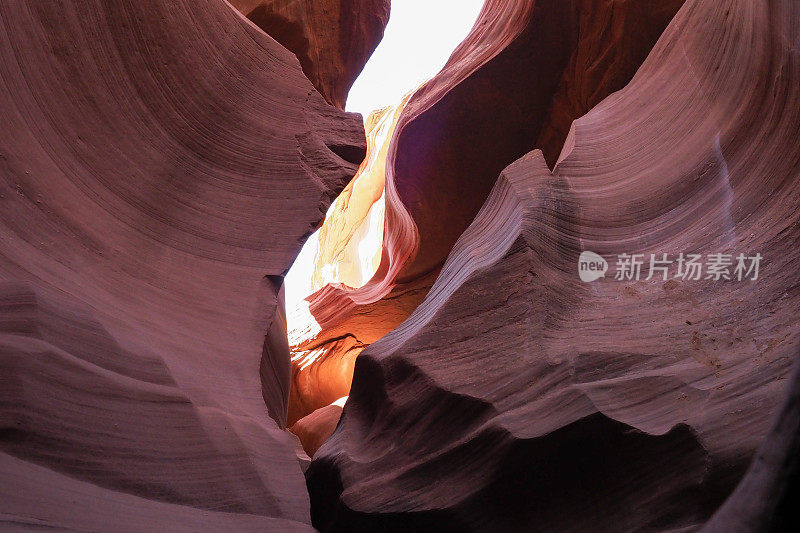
point(520, 78)
point(160, 165)
point(162, 162)
point(517, 397)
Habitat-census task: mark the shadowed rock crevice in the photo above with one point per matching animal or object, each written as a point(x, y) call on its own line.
point(537, 477)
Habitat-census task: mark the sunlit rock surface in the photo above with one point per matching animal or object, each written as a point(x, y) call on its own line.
point(518, 398)
point(332, 38)
point(345, 253)
point(160, 164)
point(314, 429)
point(516, 83)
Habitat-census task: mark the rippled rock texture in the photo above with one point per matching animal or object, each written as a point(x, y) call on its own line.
point(160, 164)
point(518, 398)
point(524, 73)
point(332, 38)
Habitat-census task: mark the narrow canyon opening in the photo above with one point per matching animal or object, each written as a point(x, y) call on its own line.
point(429, 169)
point(347, 250)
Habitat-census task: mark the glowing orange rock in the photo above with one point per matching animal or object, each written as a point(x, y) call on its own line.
point(350, 240)
point(314, 429)
point(347, 251)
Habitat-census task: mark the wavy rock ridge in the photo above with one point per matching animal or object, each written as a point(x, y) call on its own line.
point(535, 400)
point(516, 83)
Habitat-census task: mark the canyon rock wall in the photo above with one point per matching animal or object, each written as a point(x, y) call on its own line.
point(162, 162)
point(333, 39)
point(519, 79)
point(527, 68)
point(314, 429)
point(160, 165)
point(518, 397)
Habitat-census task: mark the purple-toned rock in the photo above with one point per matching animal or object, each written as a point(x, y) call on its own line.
point(160, 164)
point(517, 397)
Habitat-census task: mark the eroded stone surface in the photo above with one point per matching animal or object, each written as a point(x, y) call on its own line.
point(520, 78)
point(314, 429)
point(333, 39)
point(534, 399)
point(344, 254)
point(160, 164)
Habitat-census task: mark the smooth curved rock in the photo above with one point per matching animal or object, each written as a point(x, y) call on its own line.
point(517, 397)
point(510, 77)
point(519, 79)
point(314, 429)
point(160, 165)
point(333, 39)
point(527, 70)
point(76, 505)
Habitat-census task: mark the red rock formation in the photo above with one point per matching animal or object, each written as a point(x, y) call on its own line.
point(527, 69)
point(333, 39)
point(322, 366)
point(510, 76)
point(347, 252)
point(160, 164)
point(517, 397)
point(313, 430)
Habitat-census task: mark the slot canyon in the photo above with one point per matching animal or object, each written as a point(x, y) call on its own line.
point(551, 288)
